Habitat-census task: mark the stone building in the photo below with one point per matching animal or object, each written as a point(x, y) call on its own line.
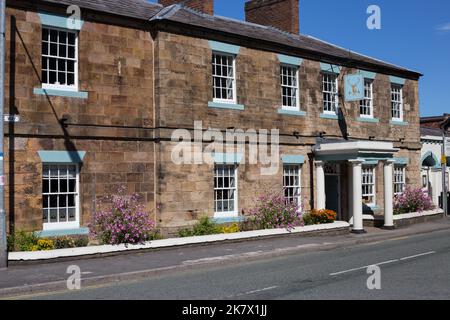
point(101, 96)
point(432, 141)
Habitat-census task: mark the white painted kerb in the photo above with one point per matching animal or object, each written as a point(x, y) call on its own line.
point(405, 216)
point(84, 251)
point(418, 214)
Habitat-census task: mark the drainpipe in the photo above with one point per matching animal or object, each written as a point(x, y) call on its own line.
point(3, 245)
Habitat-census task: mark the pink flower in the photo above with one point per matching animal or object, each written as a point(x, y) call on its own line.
point(122, 220)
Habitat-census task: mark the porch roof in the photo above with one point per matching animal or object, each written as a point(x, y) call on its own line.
point(354, 150)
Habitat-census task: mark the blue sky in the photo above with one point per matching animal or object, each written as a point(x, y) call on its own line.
point(414, 34)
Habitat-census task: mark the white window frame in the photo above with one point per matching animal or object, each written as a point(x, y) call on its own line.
point(399, 172)
point(367, 102)
point(49, 226)
point(334, 94)
point(298, 174)
point(397, 103)
point(295, 70)
point(373, 194)
point(235, 212)
point(76, 76)
point(221, 100)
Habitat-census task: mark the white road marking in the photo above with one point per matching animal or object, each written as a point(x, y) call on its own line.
point(418, 255)
point(261, 290)
point(365, 267)
point(250, 292)
point(383, 263)
point(222, 258)
point(248, 254)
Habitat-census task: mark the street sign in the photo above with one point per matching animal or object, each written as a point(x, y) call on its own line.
point(11, 118)
point(447, 147)
point(354, 87)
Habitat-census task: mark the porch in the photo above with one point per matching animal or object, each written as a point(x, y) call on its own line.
point(344, 169)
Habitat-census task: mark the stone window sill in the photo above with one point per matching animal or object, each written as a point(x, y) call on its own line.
point(221, 105)
point(61, 93)
point(398, 123)
point(297, 113)
point(330, 116)
point(370, 120)
point(229, 220)
point(63, 232)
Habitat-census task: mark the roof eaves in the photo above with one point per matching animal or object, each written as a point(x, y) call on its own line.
point(363, 55)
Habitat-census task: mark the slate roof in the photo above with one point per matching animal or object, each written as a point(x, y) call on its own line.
point(141, 9)
point(184, 15)
point(426, 131)
point(138, 9)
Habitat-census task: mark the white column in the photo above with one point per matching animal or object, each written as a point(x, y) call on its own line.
point(350, 193)
point(388, 195)
point(320, 177)
point(358, 224)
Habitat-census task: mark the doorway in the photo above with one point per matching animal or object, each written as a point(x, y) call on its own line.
point(332, 188)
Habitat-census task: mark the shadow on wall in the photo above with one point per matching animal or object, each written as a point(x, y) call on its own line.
point(343, 124)
point(13, 110)
point(311, 181)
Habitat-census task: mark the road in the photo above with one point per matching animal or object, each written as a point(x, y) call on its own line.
point(414, 267)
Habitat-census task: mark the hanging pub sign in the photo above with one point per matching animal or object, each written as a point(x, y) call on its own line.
point(354, 87)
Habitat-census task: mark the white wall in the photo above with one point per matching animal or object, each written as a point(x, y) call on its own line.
point(434, 144)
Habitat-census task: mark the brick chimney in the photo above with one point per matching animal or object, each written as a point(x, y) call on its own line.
point(281, 14)
point(205, 6)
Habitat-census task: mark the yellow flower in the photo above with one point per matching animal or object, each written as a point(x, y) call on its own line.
point(44, 244)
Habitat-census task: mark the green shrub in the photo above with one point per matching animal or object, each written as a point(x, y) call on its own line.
point(22, 241)
point(66, 242)
point(205, 226)
point(184, 233)
point(248, 224)
point(308, 220)
point(10, 242)
point(81, 242)
point(28, 241)
point(155, 235)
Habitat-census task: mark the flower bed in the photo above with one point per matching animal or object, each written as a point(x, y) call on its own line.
point(29, 241)
point(120, 219)
point(319, 217)
point(336, 227)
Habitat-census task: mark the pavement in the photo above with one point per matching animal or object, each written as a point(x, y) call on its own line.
point(272, 260)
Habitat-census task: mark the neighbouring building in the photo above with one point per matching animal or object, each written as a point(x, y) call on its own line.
point(100, 97)
point(432, 141)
